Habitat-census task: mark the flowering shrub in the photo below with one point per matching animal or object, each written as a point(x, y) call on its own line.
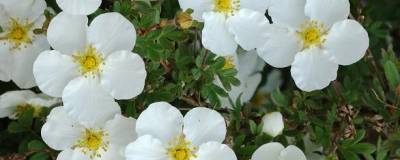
point(199, 80)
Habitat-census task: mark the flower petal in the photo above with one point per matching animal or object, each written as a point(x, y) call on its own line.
point(111, 32)
point(67, 33)
point(287, 13)
point(250, 86)
point(249, 63)
point(327, 11)
point(24, 9)
point(215, 151)
point(6, 59)
point(70, 154)
point(268, 151)
point(292, 153)
point(60, 132)
point(281, 47)
point(273, 124)
point(216, 36)
point(53, 71)
point(84, 97)
point(203, 125)
point(146, 148)
point(124, 75)
point(161, 120)
point(78, 6)
point(257, 5)
point(198, 7)
point(347, 42)
point(22, 74)
point(115, 152)
point(312, 70)
point(249, 28)
point(121, 130)
point(11, 99)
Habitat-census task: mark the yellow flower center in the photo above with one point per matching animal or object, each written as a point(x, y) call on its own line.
point(92, 142)
point(229, 62)
point(181, 149)
point(312, 33)
point(90, 61)
point(18, 33)
point(227, 7)
point(21, 108)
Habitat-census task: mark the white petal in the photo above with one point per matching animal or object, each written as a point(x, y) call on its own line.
point(111, 32)
point(198, 7)
point(53, 71)
point(215, 35)
point(67, 33)
point(60, 132)
point(161, 120)
point(114, 152)
point(6, 59)
point(4, 17)
point(249, 63)
point(292, 153)
point(124, 75)
point(70, 154)
point(215, 151)
point(84, 97)
point(121, 130)
point(281, 47)
point(327, 11)
point(273, 124)
point(22, 74)
point(203, 125)
point(288, 13)
point(268, 151)
point(24, 9)
point(347, 42)
point(257, 5)
point(250, 86)
point(10, 100)
point(249, 28)
point(146, 148)
point(85, 7)
point(312, 70)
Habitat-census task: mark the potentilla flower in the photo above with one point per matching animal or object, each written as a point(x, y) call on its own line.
point(275, 150)
point(164, 134)
point(228, 23)
point(249, 68)
point(90, 66)
point(313, 151)
point(314, 37)
point(19, 45)
point(14, 103)
point(87, 141)
point(273, 124)
point(79, 7)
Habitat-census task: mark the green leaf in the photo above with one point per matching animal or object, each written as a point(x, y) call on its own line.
point(36, 145)
point(392, 74)
point(39, 156)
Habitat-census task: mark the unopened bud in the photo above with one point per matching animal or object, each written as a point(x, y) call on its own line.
point(184, 20)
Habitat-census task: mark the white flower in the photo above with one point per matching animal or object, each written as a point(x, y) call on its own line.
point(164, 134)
point(314, 37)
point(90, 66)
point(273, 124)
point(249, 68)
point(275, 150)
point(19, 45)
point(79, 7)
point(14, 103)
point(228, 23)
point(95, 141)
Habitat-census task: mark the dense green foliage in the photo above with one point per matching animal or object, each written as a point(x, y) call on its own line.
point(356, 117)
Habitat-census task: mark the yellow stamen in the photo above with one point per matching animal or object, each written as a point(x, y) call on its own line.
point(18, 33)
point(181, 149)
point(92, 143)
point(90, 61)
point(228, 7)
point(312, 34)
point(229, 62)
